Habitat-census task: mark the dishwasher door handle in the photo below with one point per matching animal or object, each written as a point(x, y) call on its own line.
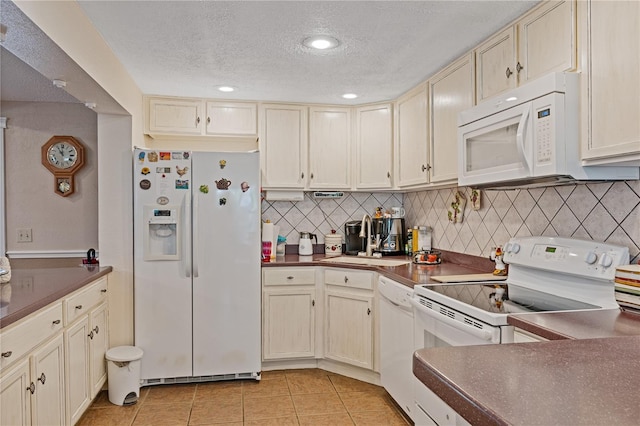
point(481, 334)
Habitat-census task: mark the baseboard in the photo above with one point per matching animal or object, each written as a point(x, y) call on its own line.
point(354, 372)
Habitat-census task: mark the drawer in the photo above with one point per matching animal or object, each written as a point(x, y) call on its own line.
point(349, 278)
point(80, 303)
point(288, 276)
point(28, 333)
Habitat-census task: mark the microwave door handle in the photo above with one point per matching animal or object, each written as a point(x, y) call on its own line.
point(520, 138)
point(482, 334)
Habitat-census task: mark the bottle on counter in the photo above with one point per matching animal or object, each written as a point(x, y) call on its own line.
point(408, 248)
point(424, 238)
point(414, 238)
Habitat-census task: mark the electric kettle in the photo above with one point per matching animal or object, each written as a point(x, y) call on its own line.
point(305, 248)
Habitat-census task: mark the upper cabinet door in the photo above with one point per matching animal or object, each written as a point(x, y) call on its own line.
point(412, 146)
point(329, 148)
point(374, 147)
point(169, 115)
point(495, 64)
point(283, 146)
point(231, 118)
point(450, 91)
point(610, 81)
point(547, 40)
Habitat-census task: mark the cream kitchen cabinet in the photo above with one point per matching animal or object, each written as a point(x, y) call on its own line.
point(411, 139)
point(86, 341)
point(288, 313)
point(542, 41)
point(329, 148)
point(33, 392)
point(198, 117)
point(374, 147)
point(610, 64)
point(450, 91)
point(283, 146)
point(348, 329)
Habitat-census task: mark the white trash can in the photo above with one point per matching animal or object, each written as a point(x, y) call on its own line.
point(123, 370)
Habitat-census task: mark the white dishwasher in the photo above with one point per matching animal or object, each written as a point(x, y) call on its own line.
point(396, 342)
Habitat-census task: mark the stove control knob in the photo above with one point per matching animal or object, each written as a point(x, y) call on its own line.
point(516, 248)
point(606, 260)
point(591, 258)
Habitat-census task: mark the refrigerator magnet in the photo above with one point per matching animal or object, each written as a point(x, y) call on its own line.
point(223, 184)
point(141, 156)
point(176, 156)
point(185, 155)
point(145, 184)
point(165, 156)
point(182, 183)
point(145, 171)
point(162, 200)
point(204, 189)
point(223, 201)
point(244, 186)
point(152, 157)
point(182, 171)
point(223, 163)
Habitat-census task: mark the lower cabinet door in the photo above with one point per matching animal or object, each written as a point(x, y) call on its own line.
point(77, 347)
point(288, 324)
point(47, 374)
point(349, 328)
point(15, 398)
point(99, 341)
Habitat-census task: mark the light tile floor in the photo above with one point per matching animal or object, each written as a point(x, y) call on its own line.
point(291, 397)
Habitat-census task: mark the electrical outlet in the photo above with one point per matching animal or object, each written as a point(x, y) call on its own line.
point(24, 235)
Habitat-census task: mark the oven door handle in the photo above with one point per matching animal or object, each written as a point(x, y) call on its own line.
point(481, 334)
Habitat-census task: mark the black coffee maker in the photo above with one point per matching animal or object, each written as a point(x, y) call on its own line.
point(353, 242)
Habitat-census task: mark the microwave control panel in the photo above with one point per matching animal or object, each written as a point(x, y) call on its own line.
point(544, 137)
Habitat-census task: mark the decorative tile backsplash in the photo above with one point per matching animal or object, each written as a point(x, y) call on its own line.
point(320, 216)
point(608, 212)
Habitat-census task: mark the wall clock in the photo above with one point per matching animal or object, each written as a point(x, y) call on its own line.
point(63, 156)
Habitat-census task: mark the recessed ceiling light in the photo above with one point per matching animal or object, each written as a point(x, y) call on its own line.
point(349, 96)
point(321, 42)
point(226, 88)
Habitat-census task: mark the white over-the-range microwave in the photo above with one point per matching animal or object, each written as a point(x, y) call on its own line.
point(529, 136)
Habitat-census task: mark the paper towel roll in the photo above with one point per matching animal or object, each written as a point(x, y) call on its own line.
point(274, 241)
point(267, 232)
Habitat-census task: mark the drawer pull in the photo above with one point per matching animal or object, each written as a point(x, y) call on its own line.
point(32, 388)
point(90, 335)
point(42, 378)
point(6, 354)
point(346, 279)
point(79, 307)
point(290, 277)
point(104, 290)
point(56, 322)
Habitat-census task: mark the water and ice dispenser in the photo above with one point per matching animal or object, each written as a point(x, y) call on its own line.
point(162, 232)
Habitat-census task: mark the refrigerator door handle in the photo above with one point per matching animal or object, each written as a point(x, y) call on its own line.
point(187, 236)
point(195, 239)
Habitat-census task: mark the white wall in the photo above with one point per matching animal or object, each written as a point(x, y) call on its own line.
point(30, 199)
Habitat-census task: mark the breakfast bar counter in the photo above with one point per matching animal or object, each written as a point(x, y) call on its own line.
point(563, 382)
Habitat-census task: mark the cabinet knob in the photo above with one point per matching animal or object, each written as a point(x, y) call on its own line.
point(78, 306)
point(290, 277)
point(56, 322)
point(32, 388)
point(302, 176)
point(208, 120)
point(104, 290)
point(313, 303)
point(388, 175)
point(197, 120)
point(519, 67)
point(311, 176)
point(368, 311)
point(427, 167)
point(346, 279)
point(90, 335)
point(6, 354)
point(42, 378)
point(97, 330)
point(508, 72)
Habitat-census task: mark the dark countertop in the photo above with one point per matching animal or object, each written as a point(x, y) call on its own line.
point(578, 325)
point(33, 288)
point(563, 382)
point(410, 274)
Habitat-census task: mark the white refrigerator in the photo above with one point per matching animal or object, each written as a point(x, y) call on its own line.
point(197, 250)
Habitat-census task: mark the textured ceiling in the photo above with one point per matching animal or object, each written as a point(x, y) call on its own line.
point(188, 48)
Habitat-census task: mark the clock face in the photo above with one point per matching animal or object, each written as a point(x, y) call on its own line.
point(62, 155)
